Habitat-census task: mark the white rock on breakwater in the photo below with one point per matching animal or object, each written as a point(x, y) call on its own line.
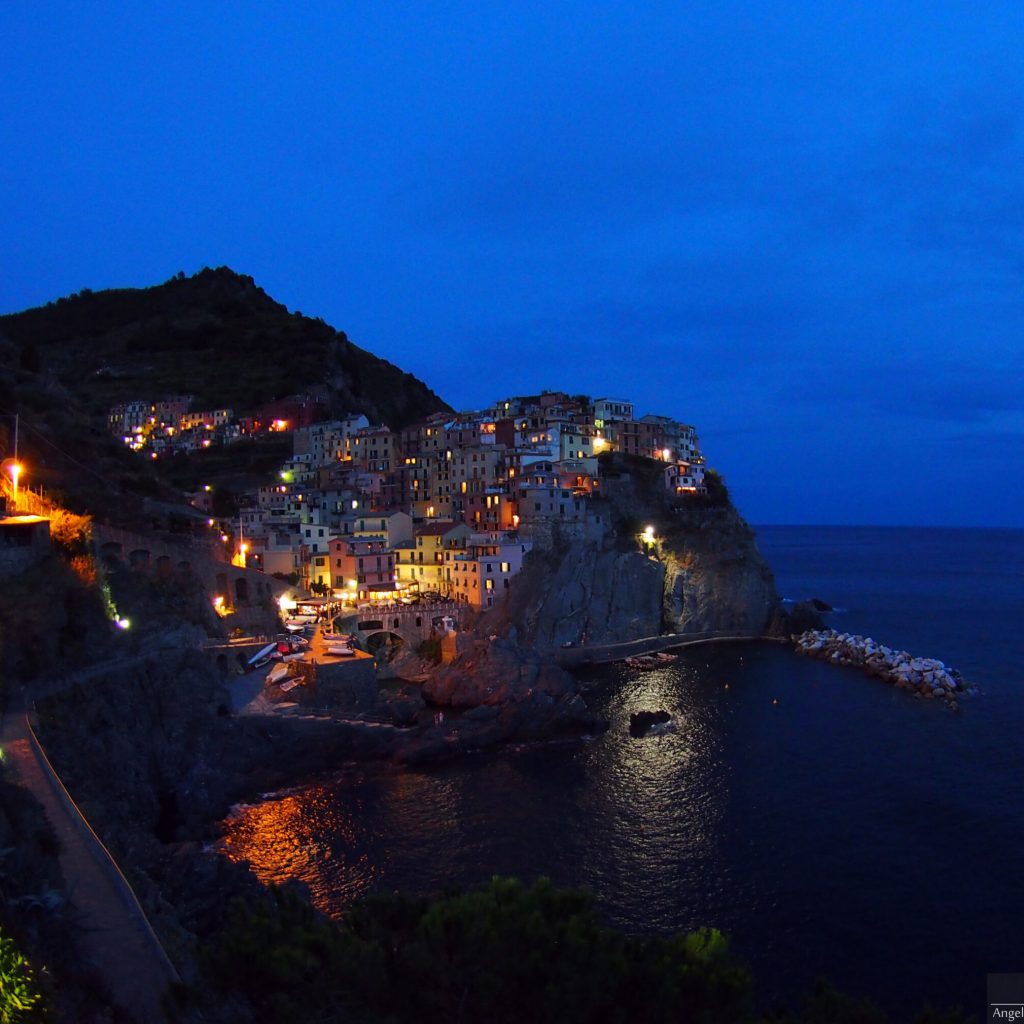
point(925, 677)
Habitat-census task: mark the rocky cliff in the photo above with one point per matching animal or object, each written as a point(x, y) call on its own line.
point(697, 569)
point(715, 577)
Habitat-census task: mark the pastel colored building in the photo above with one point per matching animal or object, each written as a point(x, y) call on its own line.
point(481, 575)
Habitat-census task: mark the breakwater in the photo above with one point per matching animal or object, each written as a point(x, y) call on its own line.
point(925, 677)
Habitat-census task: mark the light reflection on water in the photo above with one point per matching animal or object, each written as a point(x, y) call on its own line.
point(303, 835)
point(828, 833)
point(605, 814)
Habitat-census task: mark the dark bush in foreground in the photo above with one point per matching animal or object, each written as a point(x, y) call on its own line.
point(504, 954)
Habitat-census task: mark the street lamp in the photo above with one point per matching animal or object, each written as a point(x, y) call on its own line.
point(13, 468)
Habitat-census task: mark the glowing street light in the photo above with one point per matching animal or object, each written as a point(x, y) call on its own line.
point(13, 468)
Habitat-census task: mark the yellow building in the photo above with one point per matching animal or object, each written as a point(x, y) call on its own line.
point(421, 565)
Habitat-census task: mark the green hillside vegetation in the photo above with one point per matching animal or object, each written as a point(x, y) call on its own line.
point(215, 335)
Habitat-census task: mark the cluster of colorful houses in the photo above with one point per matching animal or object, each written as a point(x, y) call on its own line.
point(448, 506)
point(170, 426)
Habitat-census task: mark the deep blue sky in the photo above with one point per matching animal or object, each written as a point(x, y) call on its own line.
point(797, 225)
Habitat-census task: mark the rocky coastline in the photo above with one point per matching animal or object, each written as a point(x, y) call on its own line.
point(925, 678)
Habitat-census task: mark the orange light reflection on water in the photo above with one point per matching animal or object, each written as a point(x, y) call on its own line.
point(282, 840)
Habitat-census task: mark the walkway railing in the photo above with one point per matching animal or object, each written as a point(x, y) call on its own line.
point(596, 654)
point(105, 857)
point(27, 502)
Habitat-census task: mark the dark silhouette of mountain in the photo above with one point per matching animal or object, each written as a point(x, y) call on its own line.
point(215, 335)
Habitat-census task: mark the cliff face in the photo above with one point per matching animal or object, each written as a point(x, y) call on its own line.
point(593, 592)
point(715, 578)
point(701, 573)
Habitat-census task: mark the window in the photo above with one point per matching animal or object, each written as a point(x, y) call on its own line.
point(504, 566)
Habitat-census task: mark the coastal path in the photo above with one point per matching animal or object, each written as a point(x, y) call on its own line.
point(113, 933)
point(598, 654)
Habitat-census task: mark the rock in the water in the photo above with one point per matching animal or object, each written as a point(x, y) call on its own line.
point(642, 722)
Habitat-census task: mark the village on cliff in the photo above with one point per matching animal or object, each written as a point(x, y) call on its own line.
point(446, 507)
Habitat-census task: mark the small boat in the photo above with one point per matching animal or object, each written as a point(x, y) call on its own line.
point(290, 685)
point(262, 657)
point(341, 651)
point(642, 661)
point(277, 674)
point(296, 656)
point(649, 661)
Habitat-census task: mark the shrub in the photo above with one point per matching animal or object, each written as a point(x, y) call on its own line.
point(70, 532)
point(20, 997)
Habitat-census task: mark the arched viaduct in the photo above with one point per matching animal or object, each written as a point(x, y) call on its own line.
point(241, 589)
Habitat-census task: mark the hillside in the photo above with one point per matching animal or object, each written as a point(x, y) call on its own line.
point(215, 335)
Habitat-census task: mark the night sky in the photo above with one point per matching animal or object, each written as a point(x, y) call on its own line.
point(796, 225)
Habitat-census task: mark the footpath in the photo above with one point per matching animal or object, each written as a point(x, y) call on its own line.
point(112, 932)
point(597, 654)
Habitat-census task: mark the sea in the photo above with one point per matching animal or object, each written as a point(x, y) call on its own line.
point(831, 825)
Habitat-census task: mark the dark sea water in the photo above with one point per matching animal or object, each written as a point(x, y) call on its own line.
point(848, 830)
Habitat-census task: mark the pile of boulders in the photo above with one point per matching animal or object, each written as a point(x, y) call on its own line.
point(924, 677)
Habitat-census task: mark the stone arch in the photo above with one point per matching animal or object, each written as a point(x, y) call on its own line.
point(383, 638)
point(163, 565)
point(242, 590)
point(139, 558)
point(111, 551)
